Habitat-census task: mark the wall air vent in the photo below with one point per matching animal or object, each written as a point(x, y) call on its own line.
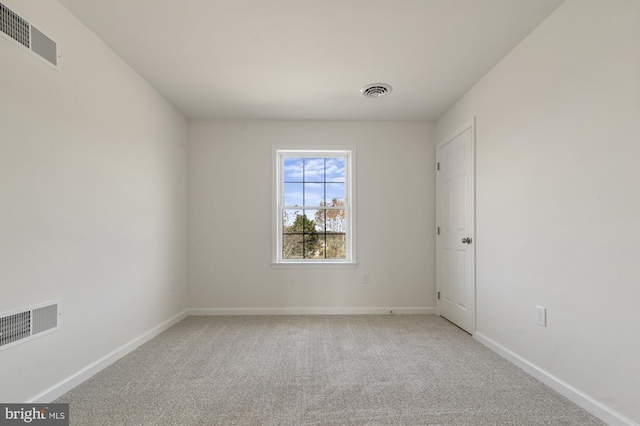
point(20, 31)
point(14, 26)
point(44, 46)
point(25, 324)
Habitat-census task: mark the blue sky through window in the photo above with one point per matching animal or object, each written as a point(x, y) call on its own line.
point(312, 181)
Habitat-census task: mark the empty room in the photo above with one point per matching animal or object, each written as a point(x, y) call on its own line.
point(285, 212)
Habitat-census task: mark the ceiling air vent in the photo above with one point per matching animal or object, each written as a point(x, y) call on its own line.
point(25, 324)
point(20, 31)
point(376, 90)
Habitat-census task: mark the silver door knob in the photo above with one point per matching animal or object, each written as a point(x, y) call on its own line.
point(466, 240)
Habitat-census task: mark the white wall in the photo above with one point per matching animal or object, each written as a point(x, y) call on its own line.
point(230, 217)
point(92, 201)
point(558, 198)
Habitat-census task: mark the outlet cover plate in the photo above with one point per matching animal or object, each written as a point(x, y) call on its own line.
point(541, 316)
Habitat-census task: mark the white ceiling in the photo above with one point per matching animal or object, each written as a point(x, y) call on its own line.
point(302, 59)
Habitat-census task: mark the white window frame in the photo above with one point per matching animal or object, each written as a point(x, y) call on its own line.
point(279, 153)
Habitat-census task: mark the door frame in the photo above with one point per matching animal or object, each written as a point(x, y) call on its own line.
point(472, 125)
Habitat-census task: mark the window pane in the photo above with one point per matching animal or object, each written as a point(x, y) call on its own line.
point(288, 216)
point(313, 194)
point(335, 171)
point(314, 169)
point(293, 169)
point(293, 194)
point(335, 246)
point(335, 191)
point(319, 219)
point(288, 219)
point(292, 246)
point(336, 221)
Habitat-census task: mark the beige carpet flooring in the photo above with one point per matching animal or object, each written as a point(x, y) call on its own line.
point(317, 370)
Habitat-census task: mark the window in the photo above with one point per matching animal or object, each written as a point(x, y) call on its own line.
point(314, 202)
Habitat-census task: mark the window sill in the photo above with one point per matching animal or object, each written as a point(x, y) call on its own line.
point(314, 265)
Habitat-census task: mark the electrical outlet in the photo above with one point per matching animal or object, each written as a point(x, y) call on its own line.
point(365, 278)
point(541, 316)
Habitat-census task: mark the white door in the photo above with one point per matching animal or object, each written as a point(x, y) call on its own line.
point(455, 219)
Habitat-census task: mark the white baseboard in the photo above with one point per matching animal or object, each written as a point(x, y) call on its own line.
point(75, 379)
point(309, 311)
point(604, 413)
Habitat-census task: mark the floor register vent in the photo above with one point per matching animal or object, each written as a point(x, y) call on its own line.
point(19, 30)
point(26, 324)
